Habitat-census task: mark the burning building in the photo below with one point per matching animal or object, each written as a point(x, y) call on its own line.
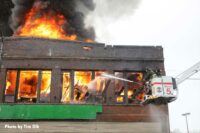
point(64, 75)
point(52, 69)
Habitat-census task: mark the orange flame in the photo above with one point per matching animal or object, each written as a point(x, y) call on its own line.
point(11, 82)
point(48, 25)
point(28, 84)
point(81, 81)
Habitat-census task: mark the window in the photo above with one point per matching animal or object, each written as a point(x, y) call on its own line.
point(82, 79)
point(81, 82)
point(132, 91)
point(27, 86)
point(45, 87)
point(119, 88)
point(11, 78)
point(135, 89)
point(99, 82)
point(66, 88)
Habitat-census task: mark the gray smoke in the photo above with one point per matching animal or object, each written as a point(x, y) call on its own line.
point(108, 12)
point(115, 9)
point(68, 8)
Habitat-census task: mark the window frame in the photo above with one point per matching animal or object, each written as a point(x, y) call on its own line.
point(125, 97)
point(17, 85)
point(71, 75)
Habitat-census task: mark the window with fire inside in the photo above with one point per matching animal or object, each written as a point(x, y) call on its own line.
point(78, 87)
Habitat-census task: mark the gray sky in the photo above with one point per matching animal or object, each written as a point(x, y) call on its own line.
point(174, 24)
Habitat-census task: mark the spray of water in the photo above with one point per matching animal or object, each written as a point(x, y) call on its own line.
point(115, 77)
point(99, 83)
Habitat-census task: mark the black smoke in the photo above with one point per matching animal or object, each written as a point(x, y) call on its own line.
point(5, 12)
point(97, 13)
point(71, 9)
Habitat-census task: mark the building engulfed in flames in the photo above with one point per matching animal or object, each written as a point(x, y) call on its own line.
point(46, 70)
point(39, 65)
point(59, 72)
point(34, 85)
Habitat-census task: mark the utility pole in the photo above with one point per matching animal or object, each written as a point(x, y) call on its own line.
point(186, 114)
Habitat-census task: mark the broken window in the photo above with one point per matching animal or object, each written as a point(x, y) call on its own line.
point(100, 82)
point(28, 84)
point(25, 85)
point(81, 82)
point(11, 78)
point(135, 89)
point(132, 91)
point(83, 87)
point(66, 87)
point(119, 88)
point(45, 86)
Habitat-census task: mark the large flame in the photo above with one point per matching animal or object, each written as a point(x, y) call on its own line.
point(11, 82)
point(132, 88)
point(28, 84)
point(46, 25)
point(83, 83)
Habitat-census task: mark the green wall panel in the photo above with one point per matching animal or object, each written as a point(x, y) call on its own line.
point(48, 111)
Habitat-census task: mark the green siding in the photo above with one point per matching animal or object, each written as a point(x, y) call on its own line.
point(51, 111)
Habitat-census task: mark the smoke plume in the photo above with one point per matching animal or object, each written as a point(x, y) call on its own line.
point(107, 13)
point(5, 12)
point(69, 8)
point(115, 9)
point(81, 15)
